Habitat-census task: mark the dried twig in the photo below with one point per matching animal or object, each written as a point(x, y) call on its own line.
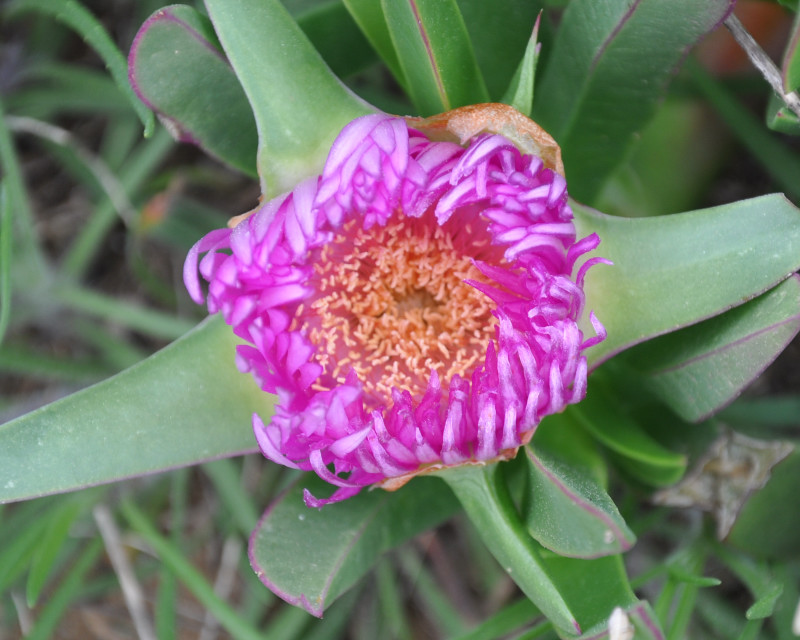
point(23, 613)
point(131, 589)
point(223, 584)
point(63, 138)
point(762, 62)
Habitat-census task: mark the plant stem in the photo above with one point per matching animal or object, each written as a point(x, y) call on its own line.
point(488, 504)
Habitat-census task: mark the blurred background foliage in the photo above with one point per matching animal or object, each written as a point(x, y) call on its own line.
point(92, 283)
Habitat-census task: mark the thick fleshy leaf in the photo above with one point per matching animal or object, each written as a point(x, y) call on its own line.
point(576, 595)
point(337, 37)
point(500, 32)
point(368, 15)
point(183, 405)
point(600, 89)
point(637, 452)
point(673, 271)
point(520, 92)
point(757, 415)
point(339, 543)
point(673, 164)
point(569, 512)
point(781, 118)
point(698, 370)
point(486, 499)
point(177, 68)
point(791, 59)
point(595, 588)
point(299, 105)
point(435, 54)
point(562, 437)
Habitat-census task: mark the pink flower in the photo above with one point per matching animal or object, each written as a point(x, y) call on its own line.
point(414, 307)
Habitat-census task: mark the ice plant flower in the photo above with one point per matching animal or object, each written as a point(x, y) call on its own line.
point(415, 306)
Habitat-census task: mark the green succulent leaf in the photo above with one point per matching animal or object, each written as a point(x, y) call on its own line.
point(673, 271)
point(569, 512)
point(791, 59)
point(595, 588)
point(340, 542)
point(562, 437)
point(781, 118)
point(299, 105)
point(698, 370)
point(178, 69)
point(183, 405)
point(369, 16)
point(435, 54)
point(483, 493)
point(576, 595)
point(600, 89)
point(635, 450)
point(520, 92)
point(501, 33)
point(763, 413)
point(337, 37)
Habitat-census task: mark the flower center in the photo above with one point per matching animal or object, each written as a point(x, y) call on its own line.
point(392, 305)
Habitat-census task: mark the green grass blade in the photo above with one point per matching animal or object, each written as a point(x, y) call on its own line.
point(781, 163)
point(148, 321)
point(167, 597)
point(148, 155)
point(391, 602)
point(508, 619)
point(172, 557)
point(68, 591)
point(30, 254)
point(16, 555)
point(49, 547)
point(77, 17)
point(431, 597)
point(435, 53)
point(18, 360)
point(228, 483)
point(5, 260)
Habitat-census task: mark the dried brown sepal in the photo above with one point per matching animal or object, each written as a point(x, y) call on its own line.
point(396, 482)
point(393, 484)
point(235, 220)
point(462, 124)
point(724, 478)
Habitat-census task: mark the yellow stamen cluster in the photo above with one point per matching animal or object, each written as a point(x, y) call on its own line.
point(392, 306)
